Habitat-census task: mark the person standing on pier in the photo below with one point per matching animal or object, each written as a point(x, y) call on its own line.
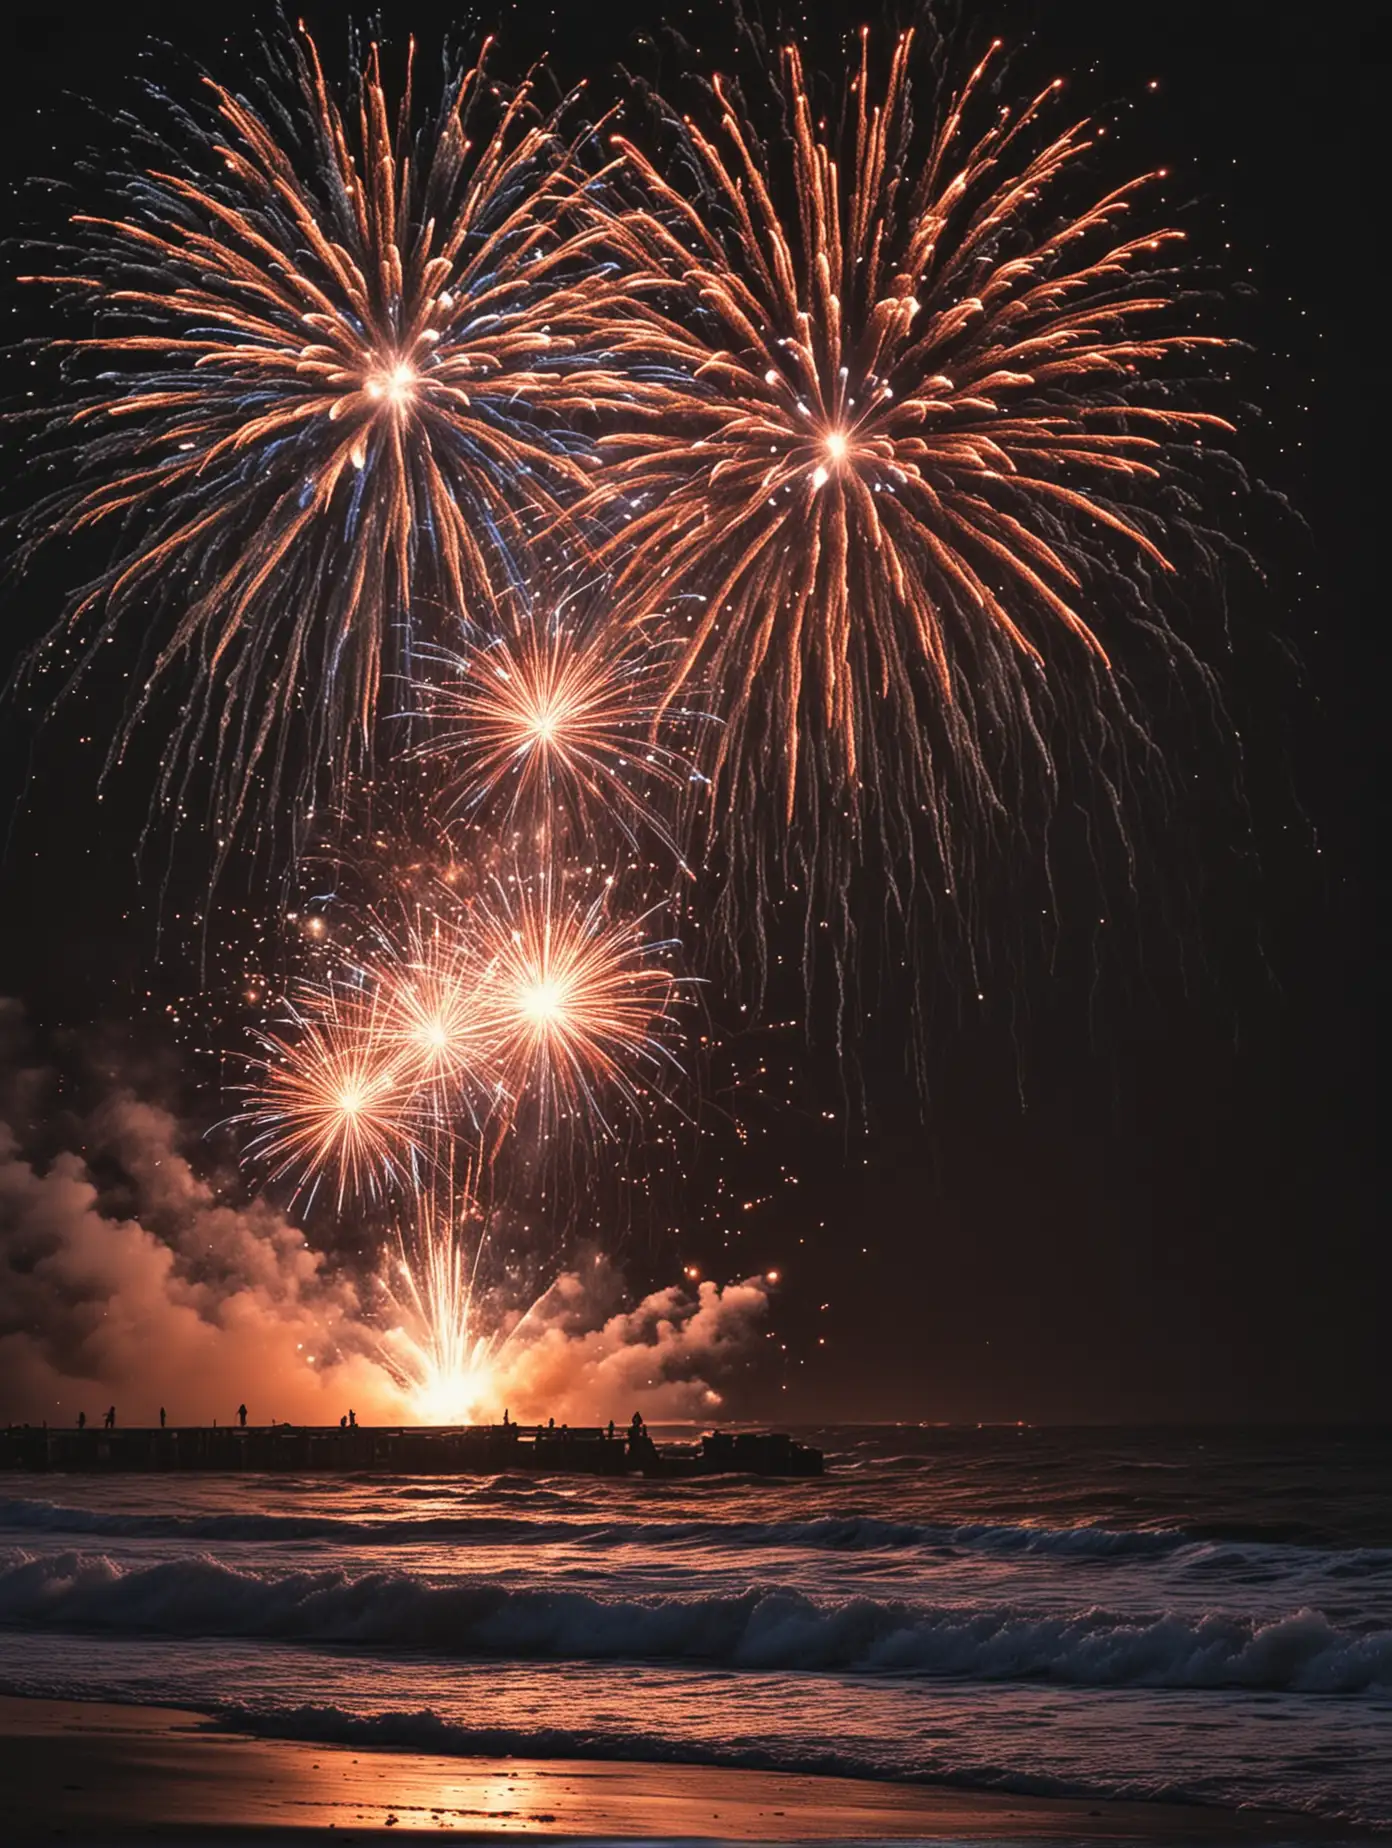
point(82, 1421)
point(241, 1416)
point(161, 1418)
point(110, 1419)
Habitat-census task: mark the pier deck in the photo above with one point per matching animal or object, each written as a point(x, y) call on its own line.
point(407, 1450)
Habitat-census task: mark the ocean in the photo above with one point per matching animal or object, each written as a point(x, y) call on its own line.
point(1197, 1615)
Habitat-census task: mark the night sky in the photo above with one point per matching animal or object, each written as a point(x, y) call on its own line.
point(1144, 1182)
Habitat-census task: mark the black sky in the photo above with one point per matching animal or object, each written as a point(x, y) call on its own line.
point(1148, 1185)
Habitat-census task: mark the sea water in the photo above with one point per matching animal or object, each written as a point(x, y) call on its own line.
point(1200, 1615)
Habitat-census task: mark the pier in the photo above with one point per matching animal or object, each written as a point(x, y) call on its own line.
point(405, 1450)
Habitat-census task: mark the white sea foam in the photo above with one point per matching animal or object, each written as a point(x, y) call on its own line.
point(762, 1628)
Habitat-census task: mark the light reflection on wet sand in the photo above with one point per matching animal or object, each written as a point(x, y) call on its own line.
point(68, 1767)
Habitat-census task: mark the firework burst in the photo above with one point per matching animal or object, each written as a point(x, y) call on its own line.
point(915, 425)
point(577, 999)
point(331, 386)
point(431, 1020)
point(425, 1042)
point(561, 716)
point(333, 1098)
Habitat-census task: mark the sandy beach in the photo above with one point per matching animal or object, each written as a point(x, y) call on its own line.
point(89, 1773)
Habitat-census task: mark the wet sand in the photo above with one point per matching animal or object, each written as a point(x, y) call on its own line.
point(83, 1774)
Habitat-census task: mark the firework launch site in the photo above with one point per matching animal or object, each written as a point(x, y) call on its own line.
point(416, 1450)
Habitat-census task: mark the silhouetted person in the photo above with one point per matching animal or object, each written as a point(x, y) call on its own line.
point(611, 1431)
point(550, 1424)
point(635, 1428)
point(161, 1418)
point(505, 1418)
point(82, 1421)
point(343, 1422)
point(241, 1416)
point(110, 1420)
point(352, 1418)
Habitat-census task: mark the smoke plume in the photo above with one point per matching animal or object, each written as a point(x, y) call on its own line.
point(127, 1279)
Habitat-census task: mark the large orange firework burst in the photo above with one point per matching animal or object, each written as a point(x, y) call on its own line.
point(917, 429)
point(331, 387)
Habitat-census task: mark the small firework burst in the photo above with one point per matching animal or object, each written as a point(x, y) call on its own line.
point(419, 1045)
point(429, 983)
point(332, 1098)
point(578, 1000)
point(560, 716)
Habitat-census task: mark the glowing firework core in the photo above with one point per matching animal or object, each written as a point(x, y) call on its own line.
point(543, 1002)
point(396, 383)
point(545, 724)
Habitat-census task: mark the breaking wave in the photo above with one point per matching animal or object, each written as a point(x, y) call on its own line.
point(762, 1628)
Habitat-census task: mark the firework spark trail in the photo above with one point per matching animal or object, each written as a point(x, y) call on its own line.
point(910, 432)
point(436, 1351)
point(562, 719)
point(333, 383)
